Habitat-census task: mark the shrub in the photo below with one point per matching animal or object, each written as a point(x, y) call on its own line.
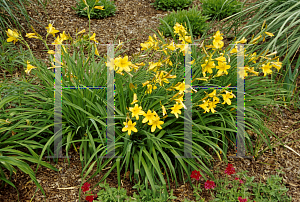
point(168, 5)
point(94, 7)
point(220, 8)
point(193, 17)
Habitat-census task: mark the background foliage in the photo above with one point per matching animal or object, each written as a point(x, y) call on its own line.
point(168, 5)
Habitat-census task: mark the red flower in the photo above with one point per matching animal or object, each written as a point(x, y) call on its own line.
point(242, 199)
point(86, 187)
point(91, 197)
point(209, 185)
point(236, 178)
point(241, 181)
point(230, 169)
point(196, 175)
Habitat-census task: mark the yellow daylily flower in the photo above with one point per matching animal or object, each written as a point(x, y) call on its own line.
point(217, 42)
point(221, 59)
point(179, 29)
point(204, 106)
point(123, 64)
point(176, 109)
point(171, 46)
point(266, 69)
point(146, 83)
point(58, 41)
point(52, 52)
point(99, 7)
point(63, 36)
point(150, 88)
point(180, 86)
point(183, 48)
point(129, 126)
point(31, 35)
point(96, 50)
point(234, 50)
point(226, 97)
point(145, 46)
point(156, 123)
point(277, 64)
point(222, 67)
point(12, 36)
point(186, 39)
point(251, 70)
point(136, 111)
point(212, 105)
point(207, 67)
point(179, 98)
point(93, 38)
point(81, 32)
point(149, 117)
point(213, 94)
point(140, 64)
point(51, 30)
point(254, 41)
point(135, 100)
point(253, 57)
point(154, 66)
point(269, 34)
point(243, 40)
point(29, 67)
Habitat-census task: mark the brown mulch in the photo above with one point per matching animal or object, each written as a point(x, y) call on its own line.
point(133, 20)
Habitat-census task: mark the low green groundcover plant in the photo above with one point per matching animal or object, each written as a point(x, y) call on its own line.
point(95, 8)
point(169, 5)
point(242, 187)
point(109, 194)
point(220, 9)
point(192, 20)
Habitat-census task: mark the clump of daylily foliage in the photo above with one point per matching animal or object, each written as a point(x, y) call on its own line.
point(149, 101)
point(161, 72)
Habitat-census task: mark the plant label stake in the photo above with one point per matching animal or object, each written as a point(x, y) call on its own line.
point(240, 136)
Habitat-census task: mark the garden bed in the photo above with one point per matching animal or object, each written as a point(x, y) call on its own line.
point(132, 21)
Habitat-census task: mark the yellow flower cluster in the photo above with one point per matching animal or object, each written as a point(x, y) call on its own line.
point(210, 105)
point(151, 117)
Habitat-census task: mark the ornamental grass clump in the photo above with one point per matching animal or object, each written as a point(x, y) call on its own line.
point(149, 103)
point(282, 18)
